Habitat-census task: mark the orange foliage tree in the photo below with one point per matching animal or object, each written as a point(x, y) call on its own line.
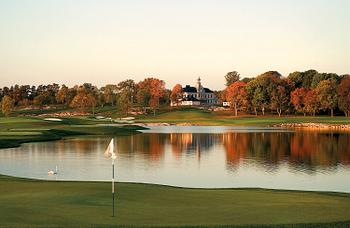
point(343, 91)
point(176, 94)
point(311, 102)
point(297, 99)
point(237, 95)
point(150, 90)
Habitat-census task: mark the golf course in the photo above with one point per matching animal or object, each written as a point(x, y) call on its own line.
point(39, 203)
point(17, 130)
point(34, 203)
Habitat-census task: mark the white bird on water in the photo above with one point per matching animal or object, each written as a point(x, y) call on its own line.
point(51, 172)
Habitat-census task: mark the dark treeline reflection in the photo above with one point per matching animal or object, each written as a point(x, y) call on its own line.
point(302, 150)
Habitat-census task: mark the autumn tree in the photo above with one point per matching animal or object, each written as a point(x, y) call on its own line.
point(343, 91)
point(311, 102)
point(176, 94)
point(7, 105)
point(327, 95)
point(157, 91)
point(297, 99)
point(109, 94)
point(237, 95)
point(232, 77)
point(83, 100)
point(65, 95)
point(149, 92)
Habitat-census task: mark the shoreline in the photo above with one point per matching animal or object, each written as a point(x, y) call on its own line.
point(307, 125)
point(15, 178)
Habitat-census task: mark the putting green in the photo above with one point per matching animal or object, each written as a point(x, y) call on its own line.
point(46, 203)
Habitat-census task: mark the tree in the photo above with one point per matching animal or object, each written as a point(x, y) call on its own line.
point(157, 91)
point(343, 91)
point(327, 95)
point(297, 99)
point(260, 89)
point(324, 76)
point(62, 95)
point(149, 92)
point(237, 95)
point(231, 77)
point(7, 105)
point(109, 94)
point(311, 102)
point(126, 90)
point(176, 94)
point(84, 100)
point(303, 79)
point(279, 99)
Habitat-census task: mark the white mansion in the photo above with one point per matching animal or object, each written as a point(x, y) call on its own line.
point(196, 96)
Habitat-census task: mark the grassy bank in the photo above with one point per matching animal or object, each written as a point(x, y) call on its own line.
point(45, 203)
point(17, 130)
point(202, 117)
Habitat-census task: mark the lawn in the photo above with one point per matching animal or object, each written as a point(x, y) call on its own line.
point(27, 202)
point(17, 130)
point(203, 117)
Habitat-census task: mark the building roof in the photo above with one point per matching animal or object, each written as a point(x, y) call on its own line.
point(207, 90)
point(190, 89)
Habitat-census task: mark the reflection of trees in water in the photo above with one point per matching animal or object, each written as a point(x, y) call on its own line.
point(303, 150)
point(265, 149)
point(151, 145)
point(81, 145)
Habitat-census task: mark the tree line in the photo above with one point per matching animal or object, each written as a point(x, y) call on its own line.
point(150, 92)
point(307, 93)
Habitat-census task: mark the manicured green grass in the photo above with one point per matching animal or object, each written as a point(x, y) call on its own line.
point(17, 130)
point(202, 117)
point(27, 202)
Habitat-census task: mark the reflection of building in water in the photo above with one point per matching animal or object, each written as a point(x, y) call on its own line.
point(191, 143)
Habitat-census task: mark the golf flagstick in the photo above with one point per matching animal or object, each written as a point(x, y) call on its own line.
point(110, 153)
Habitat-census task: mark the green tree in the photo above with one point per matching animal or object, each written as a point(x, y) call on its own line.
point(232, 77)
point(260, 90)
point(327, 95)
point(126, 91)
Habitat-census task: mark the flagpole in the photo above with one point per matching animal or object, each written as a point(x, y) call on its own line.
point(113, 185)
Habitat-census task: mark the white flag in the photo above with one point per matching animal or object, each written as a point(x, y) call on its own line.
point(110, 150)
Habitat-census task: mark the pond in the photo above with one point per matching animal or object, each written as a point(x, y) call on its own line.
point(210, 157)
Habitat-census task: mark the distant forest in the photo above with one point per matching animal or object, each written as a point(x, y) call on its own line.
point(306, 93)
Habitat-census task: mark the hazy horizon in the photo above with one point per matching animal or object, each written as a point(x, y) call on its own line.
point(104, 42)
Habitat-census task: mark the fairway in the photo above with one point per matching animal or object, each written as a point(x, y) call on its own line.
point(227, 118)
point(17, 130)
point(27, 202)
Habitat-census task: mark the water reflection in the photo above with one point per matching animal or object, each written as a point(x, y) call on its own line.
point(302, 151)
point(303, 160)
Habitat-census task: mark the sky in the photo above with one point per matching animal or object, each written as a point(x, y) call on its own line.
point(104, 42)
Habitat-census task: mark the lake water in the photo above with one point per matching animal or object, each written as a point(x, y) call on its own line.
point(196, 157)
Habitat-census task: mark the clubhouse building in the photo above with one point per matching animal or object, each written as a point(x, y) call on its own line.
point(196, 96)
